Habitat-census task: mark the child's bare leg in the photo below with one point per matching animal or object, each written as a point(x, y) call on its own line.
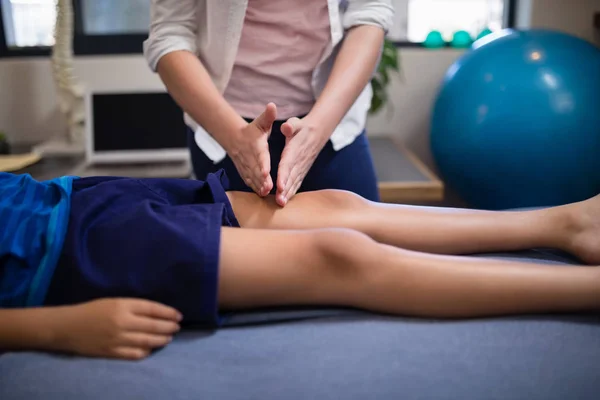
point(346, 268)
point(574, 228)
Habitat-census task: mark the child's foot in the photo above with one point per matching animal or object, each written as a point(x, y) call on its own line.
point(585, 243)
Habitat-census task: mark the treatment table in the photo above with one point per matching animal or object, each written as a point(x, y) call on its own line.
point(331, 354)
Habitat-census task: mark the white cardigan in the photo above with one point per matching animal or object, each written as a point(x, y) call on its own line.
point(211, 29)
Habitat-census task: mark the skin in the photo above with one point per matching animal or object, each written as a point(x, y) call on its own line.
point(424, 229)
point(343, 250)
point(190, 85)
point(114, 328)
point(343, 267)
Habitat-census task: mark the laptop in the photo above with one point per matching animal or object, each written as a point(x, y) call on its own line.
point(136, 133)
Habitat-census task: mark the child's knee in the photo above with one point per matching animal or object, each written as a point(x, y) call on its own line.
point(341, 199)
point(345, 252)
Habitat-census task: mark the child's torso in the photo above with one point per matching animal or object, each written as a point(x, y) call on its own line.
point(33, 217)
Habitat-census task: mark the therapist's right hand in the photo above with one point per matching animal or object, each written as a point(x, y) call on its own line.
point(250, 153)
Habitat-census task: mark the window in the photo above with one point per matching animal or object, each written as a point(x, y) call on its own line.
point(115, 17)
point(28, 24)
point(101, 26)
point(110, 26)
point(415, 19)
point(121, 26)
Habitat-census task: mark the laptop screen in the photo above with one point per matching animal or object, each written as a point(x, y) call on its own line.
point(137, 122)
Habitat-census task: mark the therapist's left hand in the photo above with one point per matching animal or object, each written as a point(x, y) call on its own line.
point(304, 141)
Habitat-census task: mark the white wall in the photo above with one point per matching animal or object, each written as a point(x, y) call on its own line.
point(572, 16)
point(411, 98)
point(28, 109)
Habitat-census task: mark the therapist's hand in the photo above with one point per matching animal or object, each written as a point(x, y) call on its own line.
point(250, 153)
point(304, 141)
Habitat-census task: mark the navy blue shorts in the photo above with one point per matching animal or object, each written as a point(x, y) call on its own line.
point(350, 168)
point(156, 239)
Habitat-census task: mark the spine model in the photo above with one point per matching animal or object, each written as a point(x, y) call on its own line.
point(70, 91)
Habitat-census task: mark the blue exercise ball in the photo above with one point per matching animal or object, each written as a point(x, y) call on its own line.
point(517, 121)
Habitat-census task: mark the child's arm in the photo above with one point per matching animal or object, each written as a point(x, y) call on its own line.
point(28, 328)
point(120, 328)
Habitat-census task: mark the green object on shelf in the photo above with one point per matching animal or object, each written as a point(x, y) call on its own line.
point(389, 64)
point(461, 40)
point(434, 40)
point(483, 33)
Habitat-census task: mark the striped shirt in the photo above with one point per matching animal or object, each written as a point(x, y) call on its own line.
point(33, 223)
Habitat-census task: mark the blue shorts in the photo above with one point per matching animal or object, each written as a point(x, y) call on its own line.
point(156, 239)
point(350, 168)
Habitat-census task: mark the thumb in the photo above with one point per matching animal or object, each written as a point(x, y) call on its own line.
point(265, 120)
point(291, 127)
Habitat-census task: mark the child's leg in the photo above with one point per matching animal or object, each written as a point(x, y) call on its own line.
point(261, 268)
point(574, 228)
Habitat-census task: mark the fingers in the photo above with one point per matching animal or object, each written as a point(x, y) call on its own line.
point(282, 180)
point(265, 188)
point(253, 163)
point(146, 340)
point(291, 127)
point(152, 325)
point(265, 181)
point(283, 175)
point(252, 185)
point(290, 176)
point(155, 310)
point(280, 200)
point(265, 120)
point(268, 186)
point(289, 188)
point(257, 173)
point(285, 181)
point(131, 353)
point(253, 179)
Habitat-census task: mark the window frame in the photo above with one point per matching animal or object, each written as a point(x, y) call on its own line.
point(84, 44)
point(9, 52)
point(510, 20)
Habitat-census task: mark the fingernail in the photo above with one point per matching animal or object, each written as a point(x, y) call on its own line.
point(179, 317)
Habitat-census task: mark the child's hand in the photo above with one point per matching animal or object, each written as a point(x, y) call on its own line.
point(116, 328)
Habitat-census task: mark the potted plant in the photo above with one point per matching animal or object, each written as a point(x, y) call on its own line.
point(379, 82)
point(4, 146)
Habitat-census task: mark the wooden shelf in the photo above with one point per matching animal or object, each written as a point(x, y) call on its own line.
point(403, 177)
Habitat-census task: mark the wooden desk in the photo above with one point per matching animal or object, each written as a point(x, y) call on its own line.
point(403, 178)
